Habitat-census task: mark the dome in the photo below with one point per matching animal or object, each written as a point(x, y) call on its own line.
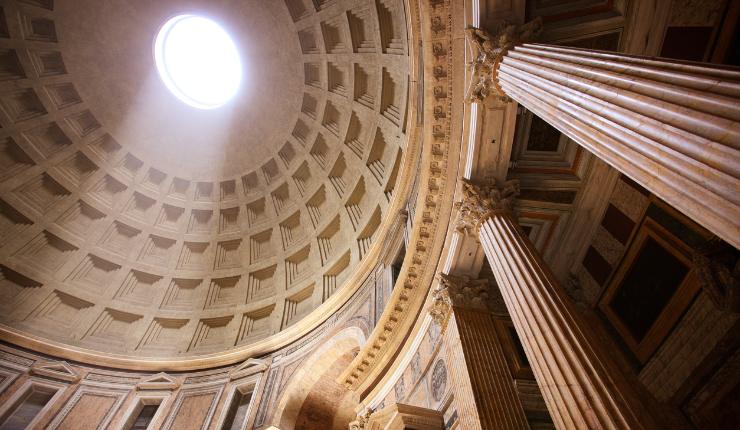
point(140, 226)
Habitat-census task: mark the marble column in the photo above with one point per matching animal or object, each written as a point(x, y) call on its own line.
point(582, 386)
point(671, 126)
point(484, 388)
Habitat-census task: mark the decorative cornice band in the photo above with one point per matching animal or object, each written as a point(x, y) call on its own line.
point(428, 235)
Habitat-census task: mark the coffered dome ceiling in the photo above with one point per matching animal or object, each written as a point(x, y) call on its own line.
point(137, 226)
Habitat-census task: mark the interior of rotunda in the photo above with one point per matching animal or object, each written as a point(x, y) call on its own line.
point(369, 214)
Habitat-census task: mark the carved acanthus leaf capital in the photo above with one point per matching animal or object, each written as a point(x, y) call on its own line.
point(466, 293)
point(441, 304)
point(483, 201)
point(361, 423)
point(488, 51)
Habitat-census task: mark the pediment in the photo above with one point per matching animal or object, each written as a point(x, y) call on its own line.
point(60, 370)
point(249, 367)
point(160, 381)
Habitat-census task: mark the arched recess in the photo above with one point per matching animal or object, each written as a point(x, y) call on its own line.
point(313, 399)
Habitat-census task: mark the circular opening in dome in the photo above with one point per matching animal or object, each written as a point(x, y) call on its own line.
point(197, 61)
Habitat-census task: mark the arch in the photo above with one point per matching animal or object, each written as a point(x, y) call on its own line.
point(318, 373)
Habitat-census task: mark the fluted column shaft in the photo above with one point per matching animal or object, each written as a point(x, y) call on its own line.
point(483, 385)
point(672, 127)
point(582, 388)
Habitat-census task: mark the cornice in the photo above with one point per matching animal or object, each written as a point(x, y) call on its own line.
point(434, 200)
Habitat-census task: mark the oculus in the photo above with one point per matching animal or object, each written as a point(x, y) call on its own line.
point(198, 61)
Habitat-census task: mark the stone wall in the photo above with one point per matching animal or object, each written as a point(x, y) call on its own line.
point(699, 344)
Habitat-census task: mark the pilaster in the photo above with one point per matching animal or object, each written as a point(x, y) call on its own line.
point(484, 388)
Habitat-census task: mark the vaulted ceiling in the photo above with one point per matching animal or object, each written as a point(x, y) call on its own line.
point(134, 225)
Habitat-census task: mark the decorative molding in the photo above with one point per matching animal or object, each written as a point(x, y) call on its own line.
point(465, 292)
point(15, 360)
point(401, 416)
point(441, 305)
point(160, 381)
point(161, 399)
point(10, 403)
point(431, 202)
point(362, 422)
point(7, 377)
point(117, 378)
point(251, 384)
point(438, 380)
point(60, 370)
point(214, 377)
point(249, 367)
point(266, 400)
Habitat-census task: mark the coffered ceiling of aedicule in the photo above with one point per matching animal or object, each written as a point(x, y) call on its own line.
point(133, 225)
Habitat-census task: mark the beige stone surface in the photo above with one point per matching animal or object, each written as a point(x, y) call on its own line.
point(137, 226)
point(287, 252)
point(87, 413)
point(193, 412)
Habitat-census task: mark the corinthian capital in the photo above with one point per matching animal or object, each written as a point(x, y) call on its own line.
point(441, 304)
point(482, 201)
point(466, 293)
point(488, 51)
point(361, 423)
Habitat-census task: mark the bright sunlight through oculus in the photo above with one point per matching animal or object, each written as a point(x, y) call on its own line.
point(198, 61)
